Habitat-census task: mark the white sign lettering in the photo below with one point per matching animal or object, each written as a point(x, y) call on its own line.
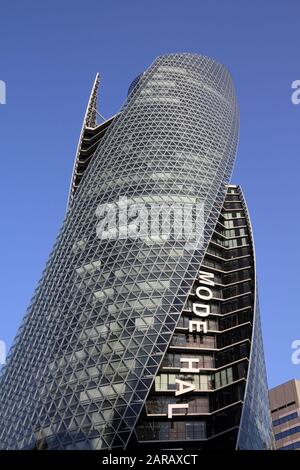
point(201, 310)
point(184, 387)
point(176, 407)
point(200, 326)
point(190, 361)
point(206, 278)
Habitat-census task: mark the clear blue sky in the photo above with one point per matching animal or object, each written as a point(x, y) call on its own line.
point(49, 55)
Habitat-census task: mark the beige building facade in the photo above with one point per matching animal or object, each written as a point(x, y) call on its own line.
point(285, 413)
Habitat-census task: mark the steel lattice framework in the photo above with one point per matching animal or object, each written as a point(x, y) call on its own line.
point(81, 368)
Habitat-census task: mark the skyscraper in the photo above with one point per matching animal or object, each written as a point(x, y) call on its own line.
point(144, 329)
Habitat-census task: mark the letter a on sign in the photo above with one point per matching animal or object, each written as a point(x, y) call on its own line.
point(184, 387)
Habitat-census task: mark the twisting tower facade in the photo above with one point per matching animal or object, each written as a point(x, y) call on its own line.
point(146, 340)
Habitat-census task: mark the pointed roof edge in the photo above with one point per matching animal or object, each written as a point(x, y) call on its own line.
point(90, 120)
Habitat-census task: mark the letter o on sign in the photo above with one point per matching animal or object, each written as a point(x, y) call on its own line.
point(204, 293)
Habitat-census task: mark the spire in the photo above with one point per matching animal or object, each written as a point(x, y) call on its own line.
point(91, 110)
point(90, 120)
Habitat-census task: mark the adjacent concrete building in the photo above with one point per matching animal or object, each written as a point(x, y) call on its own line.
point(285, 411)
